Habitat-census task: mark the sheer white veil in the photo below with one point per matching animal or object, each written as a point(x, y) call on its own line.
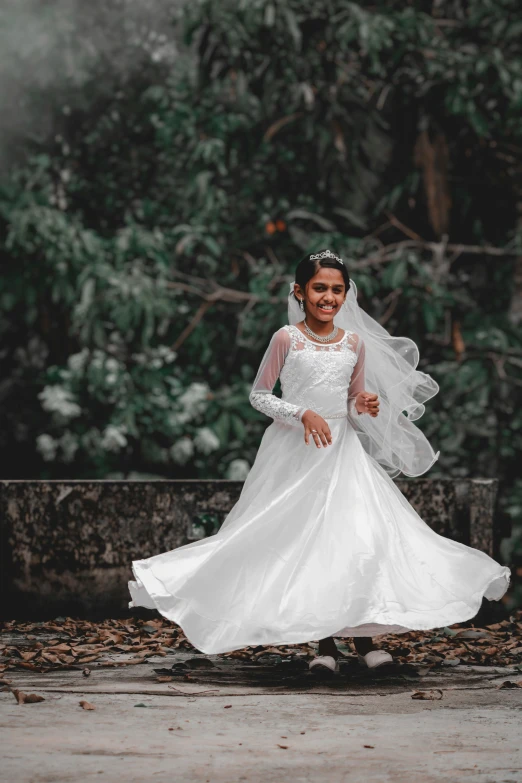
point(390, 370)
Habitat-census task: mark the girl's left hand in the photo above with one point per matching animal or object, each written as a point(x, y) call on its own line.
point(366, 402)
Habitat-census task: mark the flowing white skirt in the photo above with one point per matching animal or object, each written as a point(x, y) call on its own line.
point(320, 543)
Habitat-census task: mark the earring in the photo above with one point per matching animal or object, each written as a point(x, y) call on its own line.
point(301, 304)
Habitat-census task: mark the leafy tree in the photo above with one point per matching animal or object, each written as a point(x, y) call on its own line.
point(148, 250)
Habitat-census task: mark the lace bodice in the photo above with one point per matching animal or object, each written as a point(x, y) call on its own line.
point(322, 378)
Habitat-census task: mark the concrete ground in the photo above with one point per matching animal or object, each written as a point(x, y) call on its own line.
point(265, 721)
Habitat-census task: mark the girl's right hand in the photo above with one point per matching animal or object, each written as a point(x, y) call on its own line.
point(317, 427)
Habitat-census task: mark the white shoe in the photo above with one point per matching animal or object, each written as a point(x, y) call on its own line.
point(324, 664)
point(375, 658)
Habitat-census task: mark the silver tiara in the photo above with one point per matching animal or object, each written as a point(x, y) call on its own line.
point(326, 254)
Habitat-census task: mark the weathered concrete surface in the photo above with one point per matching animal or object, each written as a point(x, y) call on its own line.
point(66, 546)
point(262, 723)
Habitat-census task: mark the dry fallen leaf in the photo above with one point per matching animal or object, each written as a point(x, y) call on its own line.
point(427, 695)
point(165, 678)
point(87, 705)
point(58, 645)
point(67, 659)
point(227, 706)
point(473, 633)
point(28, 656)
point(368, 746)
point(26, 698)
point(510, 684)
point(33, 667)
point(284, 747)
point(459, 651)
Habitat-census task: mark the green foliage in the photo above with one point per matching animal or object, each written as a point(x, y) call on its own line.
point(192, 190)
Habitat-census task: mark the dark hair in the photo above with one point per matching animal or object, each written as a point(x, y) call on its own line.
point(309, 266)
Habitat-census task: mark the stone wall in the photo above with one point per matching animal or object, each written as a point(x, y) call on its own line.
point(66, 546)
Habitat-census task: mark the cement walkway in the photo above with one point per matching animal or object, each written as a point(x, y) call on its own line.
point(265, 722)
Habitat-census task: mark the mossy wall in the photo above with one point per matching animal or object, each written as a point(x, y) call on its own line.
point(66, 546)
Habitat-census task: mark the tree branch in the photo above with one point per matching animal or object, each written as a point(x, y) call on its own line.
point(187, 331)
point(389, 252)
point(394, 221)
point(210, 291)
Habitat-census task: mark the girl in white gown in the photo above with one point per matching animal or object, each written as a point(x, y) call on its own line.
point(321, 542)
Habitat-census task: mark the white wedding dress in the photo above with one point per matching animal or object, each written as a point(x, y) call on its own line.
point(321, 541)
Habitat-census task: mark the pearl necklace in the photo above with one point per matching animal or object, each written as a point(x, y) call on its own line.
point(331, 336)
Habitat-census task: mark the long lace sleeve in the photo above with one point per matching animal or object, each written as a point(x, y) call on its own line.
point(261, 397)
point(357, 379)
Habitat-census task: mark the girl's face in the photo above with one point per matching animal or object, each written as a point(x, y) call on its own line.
point(324, 294)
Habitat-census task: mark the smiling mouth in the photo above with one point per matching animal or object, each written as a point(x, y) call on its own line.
point(328, 308)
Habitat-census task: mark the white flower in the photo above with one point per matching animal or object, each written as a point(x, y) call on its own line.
point(206, 440)
point(174, 420)
point(69, 445)
point(166, 353)
point(194, 394)
point(98, 359)
point(193, 401)
point(182, 450)
point(90, 441)
point(238, 470)
point(76, 362)
point(56, 399)
point(47, 446)
point(112, 364)
point(155, 358)
point(160, 399)
point(113, 438)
